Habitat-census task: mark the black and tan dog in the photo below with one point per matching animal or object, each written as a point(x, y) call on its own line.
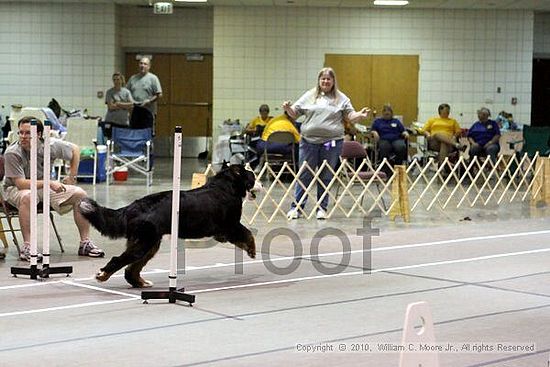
point(213, 210)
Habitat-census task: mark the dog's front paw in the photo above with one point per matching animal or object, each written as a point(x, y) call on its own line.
point(136, 281)
point(102, 276)
point(140, 283)
point(146, 283)
point(251, 251)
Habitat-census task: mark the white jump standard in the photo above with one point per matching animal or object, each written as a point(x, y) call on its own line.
point(46, 270)
point(173, 294)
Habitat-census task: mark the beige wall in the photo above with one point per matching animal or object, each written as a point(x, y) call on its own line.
point(66, 51)
point(541, 44)
point(268, 54)
point(272, 54)
point(69, 51)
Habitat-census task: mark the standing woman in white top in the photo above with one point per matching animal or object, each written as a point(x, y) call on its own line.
point(325, 109)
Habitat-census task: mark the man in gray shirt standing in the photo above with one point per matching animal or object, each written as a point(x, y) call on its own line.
point(145, 88)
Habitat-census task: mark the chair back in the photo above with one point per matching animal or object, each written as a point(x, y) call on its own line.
point(282, 137)
point(285, 138)
point(131, 142)
point(353, 150)
point(238, 143)
point(535, 138)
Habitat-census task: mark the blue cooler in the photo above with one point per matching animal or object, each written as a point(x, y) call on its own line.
point(101, 173)
point(86, 166)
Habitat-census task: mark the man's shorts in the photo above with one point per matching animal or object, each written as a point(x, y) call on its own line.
point(57, 199)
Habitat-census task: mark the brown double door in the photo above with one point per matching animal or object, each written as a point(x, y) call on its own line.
point(374, 80)
point(186, 89)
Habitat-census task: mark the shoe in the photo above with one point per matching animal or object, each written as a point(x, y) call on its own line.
point(321, 214)
point(293, 214)
point(87, 248)
point(25, 254)
point(2, 255)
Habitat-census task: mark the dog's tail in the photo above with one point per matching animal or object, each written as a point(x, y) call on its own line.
point(109, 222)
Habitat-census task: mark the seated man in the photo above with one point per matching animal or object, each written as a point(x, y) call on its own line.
point(261, 120)
point(254, 130)
point(64, 195)
point(279, 123)
point(390, 134)
point(484, 136)
point(442, 133)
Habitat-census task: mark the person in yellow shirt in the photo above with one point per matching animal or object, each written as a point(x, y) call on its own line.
point(261, 120)
point(279, 123)
point(442, 133)
point(253, 132)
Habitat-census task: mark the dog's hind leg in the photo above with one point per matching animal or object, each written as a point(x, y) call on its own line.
point(132, 272)
point(143, 241)
point(243, 239)
point(133, 253)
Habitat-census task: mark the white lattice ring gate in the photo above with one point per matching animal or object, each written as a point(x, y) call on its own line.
point(405, 190)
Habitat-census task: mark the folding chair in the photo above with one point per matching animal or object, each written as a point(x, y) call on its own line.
point(245, 144)
point(366, 138)
point(424, 153)
point(9, 213)
point(83, 133)
point(535, 139)
point(353, 151)
point(237, 143)
point(132, 149)
point(281, 137)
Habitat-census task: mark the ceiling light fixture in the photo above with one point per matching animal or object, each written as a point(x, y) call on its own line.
point(391, 2)
point(190, 1)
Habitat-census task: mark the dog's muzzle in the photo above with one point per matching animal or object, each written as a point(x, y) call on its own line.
point(251, 194)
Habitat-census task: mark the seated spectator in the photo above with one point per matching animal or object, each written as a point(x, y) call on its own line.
point(261, 120)
point(442, 133)
point(64, 195)
point(390, 134)
point(254, 131)
point(484, 136)
point(279, 123)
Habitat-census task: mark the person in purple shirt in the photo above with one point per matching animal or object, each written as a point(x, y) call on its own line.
point(391, 136)
point(484, 136)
